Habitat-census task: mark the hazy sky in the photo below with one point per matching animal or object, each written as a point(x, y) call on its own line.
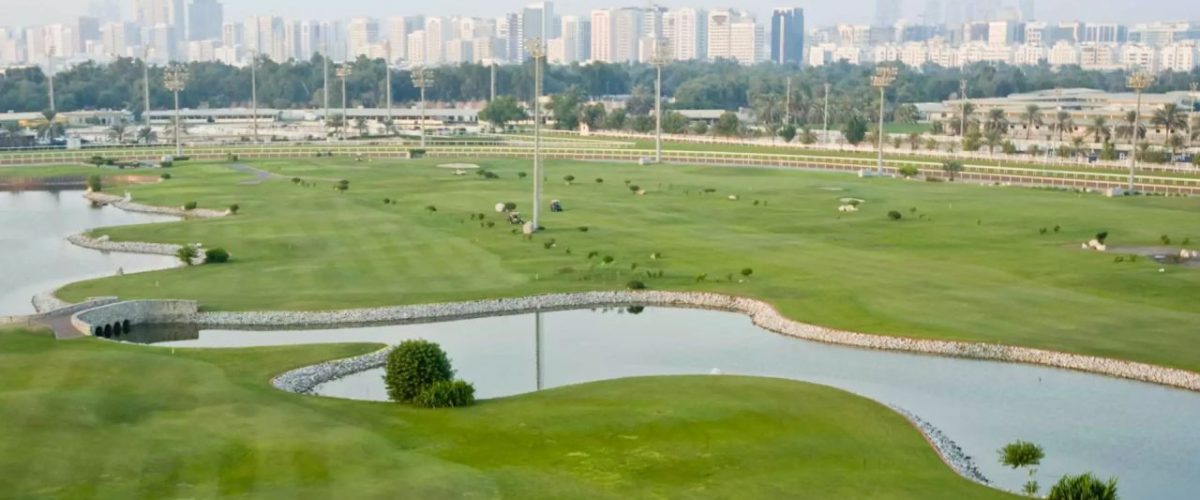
point(822, 12)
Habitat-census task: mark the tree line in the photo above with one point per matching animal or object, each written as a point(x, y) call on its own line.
point(689, 84)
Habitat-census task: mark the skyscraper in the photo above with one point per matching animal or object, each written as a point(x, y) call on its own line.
point(887, 12)
point(733, 34)
point(205, 18)
point(602, 35)
point(787, 36)
point(626, 32)
point(360, 34)
point(538, 21)
point(686, 29)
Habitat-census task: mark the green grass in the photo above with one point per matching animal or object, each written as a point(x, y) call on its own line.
point(969, 264)
point(80, 419)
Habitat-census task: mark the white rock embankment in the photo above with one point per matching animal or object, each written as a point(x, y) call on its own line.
point(952, 455)
point(763, 315)
point(104, 244)
point(304, 380)
point(129, 206)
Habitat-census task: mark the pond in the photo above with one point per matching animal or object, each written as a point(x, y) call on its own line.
point(1141, 433)
point(36, 256)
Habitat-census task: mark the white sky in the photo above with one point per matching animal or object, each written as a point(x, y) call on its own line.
point(818, 12)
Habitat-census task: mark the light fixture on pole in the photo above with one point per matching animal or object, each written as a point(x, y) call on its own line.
point(662, 56)
point(254, 92)
point(146, 86)
point(50, 75)
point(1138, 82)
point(537, 50)
point(825, 134)
point(325, 79)
point(387, 70)
point(962, 96)
point(175, 80)
point(422, 79)
point(344, 71)
point(882, 79)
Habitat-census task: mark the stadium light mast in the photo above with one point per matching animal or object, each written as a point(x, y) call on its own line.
point(537, 50)
point(662, 56)
point(1138, 82)
point(325, 79)
point(146, 86)
point(883, 78)
point(254, 92)
point(387, 71)
point(50, 76)
point(825, 136)
point(422, 79)
point(962, 118)
point(344, 71)
point(175, 80)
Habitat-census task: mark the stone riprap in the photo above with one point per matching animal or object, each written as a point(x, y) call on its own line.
point(947, 449)
point(763, 315)
point(304, 380)
point(135, 312)
point(103, 244)
point(129, 206)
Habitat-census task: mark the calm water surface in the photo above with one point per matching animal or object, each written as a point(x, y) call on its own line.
point(35, 256)
point(1147, 436)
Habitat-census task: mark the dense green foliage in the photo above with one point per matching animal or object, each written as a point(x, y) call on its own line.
point(689, 85)
point(414, 366)
point(1023, 455)
point(94, 183)
point(81, 419)
point(216, 256)
point(186, 254)
point(446, 394)
point(1083, 487)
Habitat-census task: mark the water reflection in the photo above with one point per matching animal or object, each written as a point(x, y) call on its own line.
point(1141, 433)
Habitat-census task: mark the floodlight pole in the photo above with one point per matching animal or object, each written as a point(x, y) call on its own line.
point(146, 86)
point(962, 96)
point(254, 92)
point(661, 57)
point(422, 79)
point(387, 69)
point(537, 50)
point(884, 76)
point(325, 78)
point(175, 80)
point(1138, 82)
point(825, 137)
point(50, 78)
point(344, 72)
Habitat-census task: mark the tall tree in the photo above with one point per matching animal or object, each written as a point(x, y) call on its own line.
point(1171, 117)
point(1032, 117)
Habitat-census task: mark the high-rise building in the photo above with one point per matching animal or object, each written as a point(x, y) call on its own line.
point(887, 12)
point(398, 37)
point(787, 36)
point(360, 34)
point(734, 35)
point(310, 40)
point(416, 48)
point(538, 21)
point(576, 38)
point(686, 30)
point(602, 35)
point(264, 36)
point(119, 37)
point(437, 33)
point(652, 21)
point(626, 33)
point(1027, 10)
point(205, 18)
point(508, 30)
point(87, 29)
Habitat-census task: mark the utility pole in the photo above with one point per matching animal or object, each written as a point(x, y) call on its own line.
point(387, 69)
point(422, 79)
point(1138, 82)
point(325, 76)
point(175, 80)
point(146, 86)
point(787, 101)
point(254, 92)
point(536, 49)
point(884, 76)
point(493, 81)
point(50, 76)
point(1191, 113)
point(825, 136)
point(344, 71)
point(661, 56)
point(962, 96)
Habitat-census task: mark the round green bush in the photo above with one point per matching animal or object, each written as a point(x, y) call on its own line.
point(635, 285)
point(191, 205)
point(447, 394)
point(216, 256)
point(414, 366)
point(233, 209)
point(894, 215)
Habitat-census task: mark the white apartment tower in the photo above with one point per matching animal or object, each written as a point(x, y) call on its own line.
point(602, 35)
point(686, 30)
point(734, 35)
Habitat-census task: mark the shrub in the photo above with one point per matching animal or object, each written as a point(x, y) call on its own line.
point(186, 254)
point(909, 171)
point(592, 254)
point(634, 188)
point(216, 256)
point(583, 229)
point(894, 215)
point(608, 259)
point(1102, 236)
point(191, 205)
point(342, 185)
point(569, 178)
point(93, 183)
point(701, 277)
point(387, 201)
point(1083, 487)
point(416, 153)
point(413, 367)
point(635, 285)
point(1057, 228)
point(165, 176)
point(599, 181)
point(509, 206)
point(295, 180)
point(447, 394)
point(747, 272)
point(1166, 240)
point(233, 209)
point(635, 309)
point(521, 175)
point(1042, 231)
point(430, 208)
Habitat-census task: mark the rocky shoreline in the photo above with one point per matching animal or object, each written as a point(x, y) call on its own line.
point(761, 313)
point(952, 455)
point(129, 206)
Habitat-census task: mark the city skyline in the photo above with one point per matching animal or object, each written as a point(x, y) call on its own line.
point(24, 12)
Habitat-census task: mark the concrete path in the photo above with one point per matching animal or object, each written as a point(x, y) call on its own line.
point(260, 176)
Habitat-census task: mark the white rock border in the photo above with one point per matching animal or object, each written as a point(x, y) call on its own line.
point(129, 206)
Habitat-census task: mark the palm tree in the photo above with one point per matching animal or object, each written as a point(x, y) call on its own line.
point(996, 121)
point(1077, 144)
point(1023, 455)
point(967, 109)
point(360, 124)
point(1127, 127)
point(952, 167)
point(117, 131)
point(146, 135)
point(907, 113)
point(1084, 486)
point(1099, 129)
point(766, 108)
point(389, 126)
point(1171, 117)
point(914, 140)
point(1031, 117)
point(48, 129)
point(1064, 121)
point(1175, 142)
point(993, 138)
